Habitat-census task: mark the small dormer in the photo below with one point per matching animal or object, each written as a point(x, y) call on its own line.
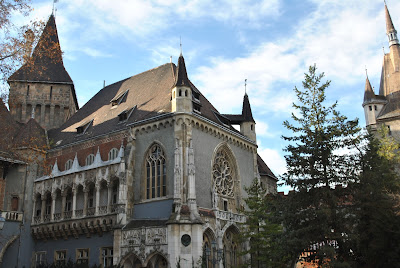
point(182, 90)
point(120, 98)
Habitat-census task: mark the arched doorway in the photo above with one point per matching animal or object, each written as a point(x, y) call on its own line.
point(231, 248)
point(157, 261)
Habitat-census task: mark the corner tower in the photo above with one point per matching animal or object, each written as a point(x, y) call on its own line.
point(181, 90)
point(42, 86)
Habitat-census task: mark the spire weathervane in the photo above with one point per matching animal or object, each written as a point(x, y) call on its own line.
point(366, 70)
point(245, 86)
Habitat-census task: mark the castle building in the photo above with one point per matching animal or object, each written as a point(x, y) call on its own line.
point(384, 108)
point(147, 173)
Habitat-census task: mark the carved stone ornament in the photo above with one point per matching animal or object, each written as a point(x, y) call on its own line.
point(223, 175)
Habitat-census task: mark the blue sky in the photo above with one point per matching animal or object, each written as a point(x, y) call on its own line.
point(271, 43)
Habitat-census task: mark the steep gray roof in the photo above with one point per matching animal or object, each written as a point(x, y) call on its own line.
point(143, 96)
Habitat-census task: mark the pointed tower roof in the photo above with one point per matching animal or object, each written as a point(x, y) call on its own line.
point(389, 22)
point(46, 63)
point(369, 92)
point(181, 74)
point(246, 110)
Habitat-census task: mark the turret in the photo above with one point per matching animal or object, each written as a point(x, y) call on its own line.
point(181, 91)
point(248, 125)
point(42, 84)
point(372, 104)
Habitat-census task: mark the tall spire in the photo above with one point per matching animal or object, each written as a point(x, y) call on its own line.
point(246, 110)
point(46, 63)
point(390, 30)
point(181, 74)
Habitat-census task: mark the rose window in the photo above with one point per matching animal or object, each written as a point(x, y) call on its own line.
point(223, 175)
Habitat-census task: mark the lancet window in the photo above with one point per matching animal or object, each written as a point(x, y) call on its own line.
point(155, 173)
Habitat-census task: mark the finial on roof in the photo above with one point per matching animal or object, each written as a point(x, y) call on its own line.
point(180, 43)
point(366, 71)
point(245, 86)
point(54, 9)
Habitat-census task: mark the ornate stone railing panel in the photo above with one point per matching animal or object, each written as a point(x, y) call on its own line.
point(67, 214)
point(91, 211)
point(230, 216)
point(79, 213)
point(102, 210)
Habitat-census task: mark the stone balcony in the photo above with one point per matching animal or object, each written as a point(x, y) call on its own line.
point(73, 227)
point(12, 215)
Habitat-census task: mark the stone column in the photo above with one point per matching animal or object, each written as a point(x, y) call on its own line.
point(74, 192)
point(97, 198)
point(34, 208)
point(42, 115)
point(53, 205)
point(85, 201)
point(51, 115)
point(63, 203)
point(43, 208)
point(109, 201)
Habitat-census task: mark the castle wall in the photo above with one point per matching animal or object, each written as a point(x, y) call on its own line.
point(53, 104)
point(144, 139)
point(204, 145)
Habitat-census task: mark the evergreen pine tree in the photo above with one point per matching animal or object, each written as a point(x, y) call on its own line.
point(262, 229)
point(319, 163)
point(377, 230)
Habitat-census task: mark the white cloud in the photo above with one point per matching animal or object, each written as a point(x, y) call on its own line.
point(275, 161)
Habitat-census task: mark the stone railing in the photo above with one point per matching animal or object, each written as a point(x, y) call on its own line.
point(57, 216)
point(103, 210)
point(79, 213)
point(67, 215)
point(91, 211)
point(12, 215)
point(47, 218)
point(37, 220)
point(230, 216)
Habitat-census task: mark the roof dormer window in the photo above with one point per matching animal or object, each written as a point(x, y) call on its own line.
point(125, 114)
point(82, 128)
point(120, 98)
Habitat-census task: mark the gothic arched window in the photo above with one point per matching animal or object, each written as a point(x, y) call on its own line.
point(223, 174)
point(155, 173)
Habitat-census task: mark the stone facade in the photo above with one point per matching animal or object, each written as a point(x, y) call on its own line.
point(146, 174)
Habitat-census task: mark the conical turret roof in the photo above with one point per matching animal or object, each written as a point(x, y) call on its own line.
point(181, 74)
point(369, 92)
point(46, 63)
point(246, 110)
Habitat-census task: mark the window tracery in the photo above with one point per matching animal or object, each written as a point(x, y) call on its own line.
point(155, 173)
point(223, 174)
